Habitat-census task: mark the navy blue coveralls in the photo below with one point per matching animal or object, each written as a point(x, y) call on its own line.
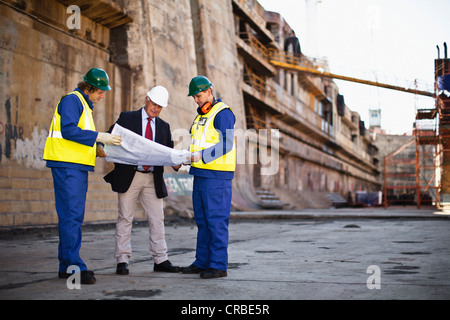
point(211, 198)
point(71, 183)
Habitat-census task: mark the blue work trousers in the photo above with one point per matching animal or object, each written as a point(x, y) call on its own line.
point(212, 204)
point(70, 199)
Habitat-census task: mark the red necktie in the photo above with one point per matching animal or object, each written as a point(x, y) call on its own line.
point(148, 135)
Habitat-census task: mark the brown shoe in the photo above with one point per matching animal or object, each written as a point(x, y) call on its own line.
point(65, 275)
point(213, 273)
point(191, 269)
point(87, 278)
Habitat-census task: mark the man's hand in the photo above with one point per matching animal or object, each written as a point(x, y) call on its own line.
point(194, 157)
point(100, 151)
point(107, 138)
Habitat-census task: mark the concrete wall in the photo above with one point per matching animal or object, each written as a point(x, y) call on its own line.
point(41, 60)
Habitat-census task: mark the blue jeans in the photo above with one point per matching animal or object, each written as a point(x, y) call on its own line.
point(70, 199)
point(212, 204)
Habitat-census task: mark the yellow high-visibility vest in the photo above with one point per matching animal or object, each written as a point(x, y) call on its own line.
point(204, 135)
point(59, 149)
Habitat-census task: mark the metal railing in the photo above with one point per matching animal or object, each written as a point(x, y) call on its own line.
point(254, 43)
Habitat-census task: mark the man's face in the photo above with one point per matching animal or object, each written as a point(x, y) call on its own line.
point(153, 110)
point(202, 97)
point(96, 96)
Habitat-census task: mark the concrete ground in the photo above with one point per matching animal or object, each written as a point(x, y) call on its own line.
point(401, 253)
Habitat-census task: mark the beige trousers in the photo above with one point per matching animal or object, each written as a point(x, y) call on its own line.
point(143, 189)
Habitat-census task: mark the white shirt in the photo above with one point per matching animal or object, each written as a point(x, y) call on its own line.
point(144, 127)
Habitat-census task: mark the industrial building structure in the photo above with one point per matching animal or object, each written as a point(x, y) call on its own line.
point(299, 143)
point(416, 171)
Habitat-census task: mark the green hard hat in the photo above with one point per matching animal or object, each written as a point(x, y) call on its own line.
point(199, 84)
point(98, 78)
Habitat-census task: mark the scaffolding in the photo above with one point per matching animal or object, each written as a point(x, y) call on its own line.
point(412, 172)
point(399, 175)
point(432, 153)
point(428, 158)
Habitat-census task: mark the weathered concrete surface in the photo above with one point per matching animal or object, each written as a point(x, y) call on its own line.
point(318, 254)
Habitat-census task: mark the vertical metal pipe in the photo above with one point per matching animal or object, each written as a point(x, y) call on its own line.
point(385, 179)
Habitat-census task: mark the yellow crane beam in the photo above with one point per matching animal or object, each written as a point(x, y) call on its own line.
point(317, 72)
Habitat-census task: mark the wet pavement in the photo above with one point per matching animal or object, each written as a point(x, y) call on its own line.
point(354, 254)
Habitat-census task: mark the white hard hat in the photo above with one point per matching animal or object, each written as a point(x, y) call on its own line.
point(159, 95)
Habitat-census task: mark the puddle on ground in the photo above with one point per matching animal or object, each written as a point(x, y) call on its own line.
point(235, 265)
point(415, 252)
point(268, 251)
point(135, 293)
point(402, 270)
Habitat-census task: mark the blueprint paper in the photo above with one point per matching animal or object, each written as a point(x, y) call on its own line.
point(137, 150)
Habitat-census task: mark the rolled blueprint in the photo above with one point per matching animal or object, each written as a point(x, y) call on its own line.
point(137, 150)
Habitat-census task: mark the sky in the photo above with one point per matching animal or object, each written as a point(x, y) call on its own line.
point(389, 41)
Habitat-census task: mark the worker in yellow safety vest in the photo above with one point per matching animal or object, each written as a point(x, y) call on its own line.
point(70, 152)
point(213, 165)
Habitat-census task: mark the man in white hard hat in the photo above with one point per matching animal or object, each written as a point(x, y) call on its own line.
point(143, 183)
